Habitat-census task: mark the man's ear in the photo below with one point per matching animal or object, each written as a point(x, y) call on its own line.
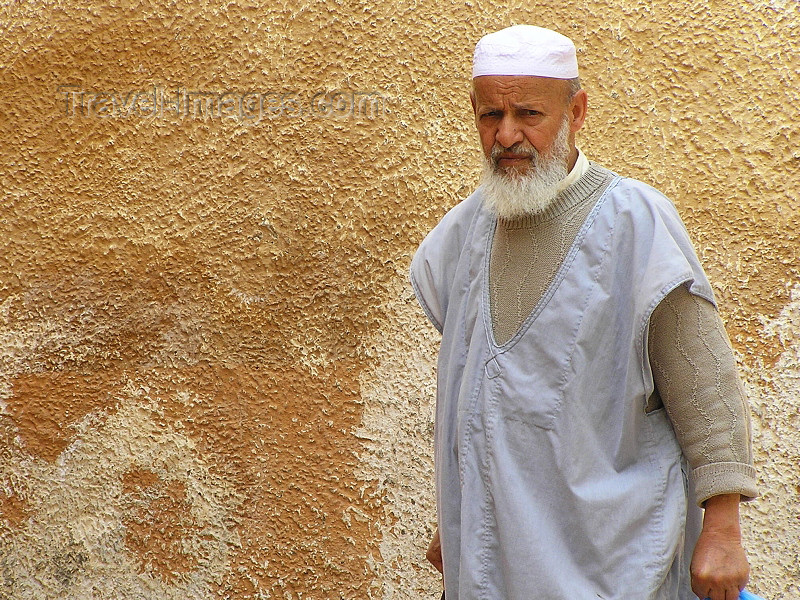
point(577, 110)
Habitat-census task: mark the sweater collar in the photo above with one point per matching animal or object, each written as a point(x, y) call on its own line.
point(590, 178)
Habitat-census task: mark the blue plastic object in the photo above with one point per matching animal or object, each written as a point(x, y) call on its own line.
point(745, 595)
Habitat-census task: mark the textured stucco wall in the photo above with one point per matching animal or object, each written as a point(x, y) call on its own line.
point(214, 381)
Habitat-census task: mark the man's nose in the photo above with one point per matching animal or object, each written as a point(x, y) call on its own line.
point(508, 133)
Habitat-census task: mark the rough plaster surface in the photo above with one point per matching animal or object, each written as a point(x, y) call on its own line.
point(772, 523)
point(128, 509)
point(397, 426)
point(214, 381)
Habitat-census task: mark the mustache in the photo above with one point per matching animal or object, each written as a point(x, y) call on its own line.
point(520, 148)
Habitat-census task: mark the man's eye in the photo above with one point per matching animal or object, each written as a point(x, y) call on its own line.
point(490, 114)
point(532, 113)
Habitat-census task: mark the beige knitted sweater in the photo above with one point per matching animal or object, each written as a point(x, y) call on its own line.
point(690, 354)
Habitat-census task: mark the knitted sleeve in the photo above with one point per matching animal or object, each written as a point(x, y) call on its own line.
point(695, 376)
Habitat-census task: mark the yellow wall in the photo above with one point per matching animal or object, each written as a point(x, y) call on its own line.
point(214, 381)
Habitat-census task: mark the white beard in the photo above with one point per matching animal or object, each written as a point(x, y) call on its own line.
point(516, 195)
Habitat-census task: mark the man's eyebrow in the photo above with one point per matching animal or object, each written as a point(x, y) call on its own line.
point(526, 106)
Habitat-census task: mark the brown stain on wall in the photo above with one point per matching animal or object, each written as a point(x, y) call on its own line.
point(157, 523)
point(46, 404)
point(280, 437)
point(13, 510)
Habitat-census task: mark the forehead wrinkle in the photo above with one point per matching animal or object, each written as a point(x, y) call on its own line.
point(526, 88)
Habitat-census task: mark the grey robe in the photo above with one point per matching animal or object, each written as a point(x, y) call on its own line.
point(552, 481)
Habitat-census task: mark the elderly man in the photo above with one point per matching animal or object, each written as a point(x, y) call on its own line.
point(588, 404)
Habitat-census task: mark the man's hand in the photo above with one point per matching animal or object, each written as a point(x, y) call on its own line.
point(719, 564)
point(434, 554)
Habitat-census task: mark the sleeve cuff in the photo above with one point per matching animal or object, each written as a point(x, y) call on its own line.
point(724, 478)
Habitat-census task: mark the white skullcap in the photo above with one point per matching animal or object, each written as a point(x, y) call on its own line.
point(525, 50)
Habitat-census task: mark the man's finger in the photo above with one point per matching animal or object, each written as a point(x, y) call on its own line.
point(434, 553)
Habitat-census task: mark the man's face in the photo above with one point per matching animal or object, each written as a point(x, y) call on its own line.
point(515, 114)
